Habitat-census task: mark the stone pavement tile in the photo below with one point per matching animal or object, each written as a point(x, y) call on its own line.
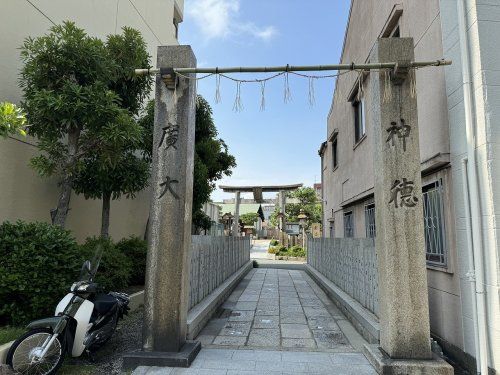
point(329, 339)
point(313, 312)
point(286, 289)
point(268, 302)
point(349, 359)
point(286, 295)
point(311, 302)
point(205, 339)
point(264, 337)
point(280, 366)
point(213, 327)
point(219, 354)
point(249, 297)
point(243, 372)
point(270, 321)
point(298, 343)
point(322, 322)
point(257, 355)
point(312, 357)
point(246, 306)
point(319, 369)
point(224, 364)
point(292, 318)
point(295, 331)
point(289, 301)
point(198, 371)
point(230, 340)
point(268, 310)
point(143, 370)
point(241, 316)
point(236, 329)
point(292, 309)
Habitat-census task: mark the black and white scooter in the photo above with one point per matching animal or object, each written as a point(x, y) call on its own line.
point(84, 320)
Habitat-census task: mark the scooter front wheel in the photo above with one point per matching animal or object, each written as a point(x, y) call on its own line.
point(23, 355)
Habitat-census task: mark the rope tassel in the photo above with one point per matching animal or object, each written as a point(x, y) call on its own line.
point(287, 95)
point(387, 86)
point(262, 96)
point(238, 106)
point(218, 98)
point(312, 95)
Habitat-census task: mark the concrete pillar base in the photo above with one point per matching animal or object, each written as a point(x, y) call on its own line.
point(388, 366)
point(183, 358)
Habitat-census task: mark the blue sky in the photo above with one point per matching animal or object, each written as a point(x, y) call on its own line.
point(278, 145)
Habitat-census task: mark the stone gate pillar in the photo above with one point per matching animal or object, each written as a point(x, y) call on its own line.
point(403, 295)
point(167, 272)
point(236, 222)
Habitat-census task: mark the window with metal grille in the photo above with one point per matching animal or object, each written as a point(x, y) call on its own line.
point(434, 225)
point(348, 224)
point(370, 220)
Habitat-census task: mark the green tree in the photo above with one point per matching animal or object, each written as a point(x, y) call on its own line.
point(308, 201)
point(65, 80)
point(249, 218)
point(120, 165)
point(12, 120)
point(212, 161)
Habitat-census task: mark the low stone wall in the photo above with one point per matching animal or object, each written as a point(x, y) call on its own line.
point(213, 261)
point(350, 263)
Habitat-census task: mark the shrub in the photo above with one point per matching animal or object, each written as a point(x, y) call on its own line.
point(39, 262)
point(273, 250)
point(296, 251)
point(135, 249)
point(274, 242)
point(115, 269)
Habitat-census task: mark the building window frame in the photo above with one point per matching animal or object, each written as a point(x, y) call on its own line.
point(435, 229)
point(335, 155)
point(348, 224)
point(358, 105)
point(370, 227)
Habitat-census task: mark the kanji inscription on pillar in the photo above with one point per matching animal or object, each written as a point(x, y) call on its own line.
point(402, 192)
point(167, 186)
point(170, 135)
point(398, 130)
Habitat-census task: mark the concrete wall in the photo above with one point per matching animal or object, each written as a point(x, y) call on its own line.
point(350, 186)
point(483, 29)
point(24, 195)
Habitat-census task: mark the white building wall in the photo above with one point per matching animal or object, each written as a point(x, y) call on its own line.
point(24, 195)
point(483, 29)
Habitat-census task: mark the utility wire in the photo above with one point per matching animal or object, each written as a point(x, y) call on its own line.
point(42, 13)
point(147, 24)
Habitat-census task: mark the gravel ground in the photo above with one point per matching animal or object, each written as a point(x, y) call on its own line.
point(128, 337)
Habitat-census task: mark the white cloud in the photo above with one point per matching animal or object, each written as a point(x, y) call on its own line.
point(220, 19)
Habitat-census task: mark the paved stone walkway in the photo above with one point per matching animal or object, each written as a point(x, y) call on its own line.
point(277, 322)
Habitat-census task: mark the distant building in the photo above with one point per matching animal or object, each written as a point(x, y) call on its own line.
point(318, 190)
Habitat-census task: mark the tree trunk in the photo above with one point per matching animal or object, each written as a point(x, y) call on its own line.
point(106, 208)
point(61, 212)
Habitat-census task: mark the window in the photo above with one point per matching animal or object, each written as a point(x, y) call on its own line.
point(370, 220)
point(348, 224)
point(334, 153)
point(396, 33)
point(435, 241)
point(359, 120)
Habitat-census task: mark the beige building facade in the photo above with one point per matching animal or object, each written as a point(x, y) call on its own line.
point(347, 157)
point(23, 194)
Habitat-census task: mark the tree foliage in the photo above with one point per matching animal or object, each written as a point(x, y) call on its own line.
point(249, 218)
point(307, 201)
point(12, 120)
point(80, 97)
point(120, 165)
point(212, 161)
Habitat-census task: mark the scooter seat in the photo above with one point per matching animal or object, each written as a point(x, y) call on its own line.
point(103, 303)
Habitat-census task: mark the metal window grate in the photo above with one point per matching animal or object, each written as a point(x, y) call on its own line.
point(435, 242)
point(370, 220)
point(348, 224)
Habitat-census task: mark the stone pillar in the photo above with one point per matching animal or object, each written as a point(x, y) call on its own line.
point(404, 310)
point(236, 222)
point(282, 196)
point(167, 273)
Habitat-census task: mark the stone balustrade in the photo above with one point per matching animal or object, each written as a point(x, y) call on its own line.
point(350, 263)
point(213, 261)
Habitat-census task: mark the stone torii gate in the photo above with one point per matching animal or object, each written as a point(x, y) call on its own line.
point(257, 195)
point(404, 322)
